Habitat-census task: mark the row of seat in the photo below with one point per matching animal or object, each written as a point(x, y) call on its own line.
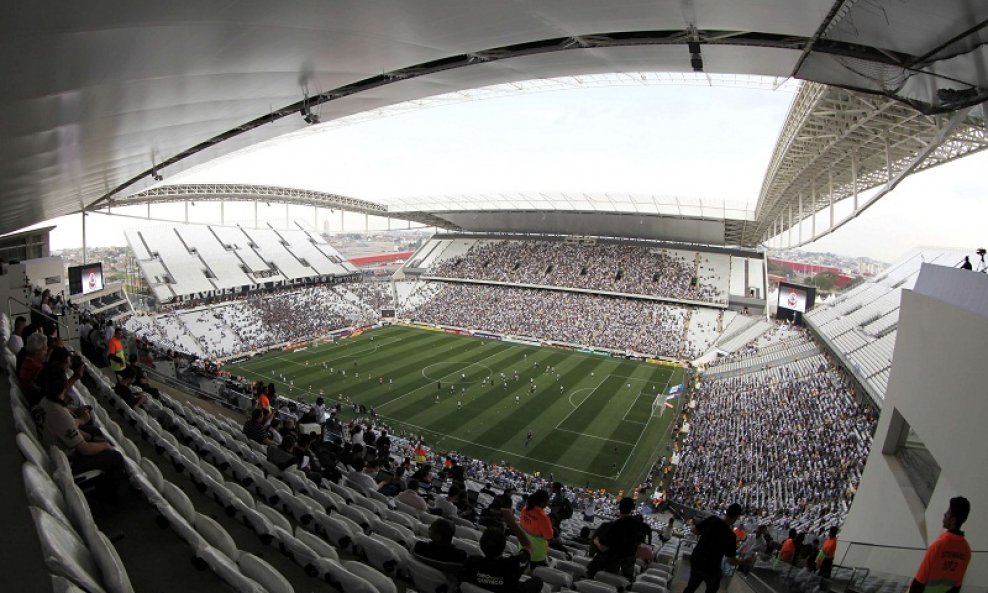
point(359, 522)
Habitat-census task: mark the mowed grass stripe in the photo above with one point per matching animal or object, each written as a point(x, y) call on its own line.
point(318, 377)
point(420, 394)
point(402, 362)
point(406, 370)
point(509, 426)
point(479, 402)
point(489, 424)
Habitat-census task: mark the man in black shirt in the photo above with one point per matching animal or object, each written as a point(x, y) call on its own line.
point(617, 542)
point(717, 541)
point(496, 572)
point(439, 552)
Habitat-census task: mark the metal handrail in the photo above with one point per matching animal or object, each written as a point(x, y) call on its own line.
point(31, 308)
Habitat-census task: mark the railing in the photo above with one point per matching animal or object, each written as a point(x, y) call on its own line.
point(890, 565)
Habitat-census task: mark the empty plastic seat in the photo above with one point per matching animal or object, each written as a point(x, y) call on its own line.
point(216, 535)
point(32, 451)
point(380, 555)
point(228, 570)
point(342, 579)
point(640, 586)
point(556, 579)
point(65, 554)
point(380, 581)
point(396, 533)
point(578, 571)
point(357, 515)
point(616, 580)
point(179, 501)
point(42, 491)
point(338, 532)
point(264, 574)
point(587, 586)
point(111, 567)
point(427, 579)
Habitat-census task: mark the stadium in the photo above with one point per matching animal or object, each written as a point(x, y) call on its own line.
point(245, 404)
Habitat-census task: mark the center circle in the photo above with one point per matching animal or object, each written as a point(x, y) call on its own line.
point(453, 368)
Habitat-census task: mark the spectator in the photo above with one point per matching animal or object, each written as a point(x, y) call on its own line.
point(439, 552)
point(256, 428)
point(366, 480)
point(141, 379)
point(16, 340)
point(411, 497)
point(496, 572)
point(617, 542)
point(36, 352)
point(751, 548)
point(115, 351)
point(537, 526)
point(788, 551)
point(125, 388)
point(86, 452)
point(825, 560)
point(446, 505)
point(283, 455)
point(716, 543)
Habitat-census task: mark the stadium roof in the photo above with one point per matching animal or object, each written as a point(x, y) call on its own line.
point(102, 97)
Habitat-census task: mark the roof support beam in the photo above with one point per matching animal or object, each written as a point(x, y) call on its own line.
point(839, 143)
point(830, 193)
point(943, 136)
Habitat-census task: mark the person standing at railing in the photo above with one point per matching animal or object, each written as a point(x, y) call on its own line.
point(115, 351)
point(946, 560)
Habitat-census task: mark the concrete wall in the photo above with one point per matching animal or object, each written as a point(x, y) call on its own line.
point(938, 386)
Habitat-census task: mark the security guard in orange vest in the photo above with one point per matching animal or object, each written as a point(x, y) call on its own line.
point(942, 569)
point(115, 351)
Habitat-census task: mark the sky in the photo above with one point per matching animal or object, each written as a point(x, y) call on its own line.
point(686, 141)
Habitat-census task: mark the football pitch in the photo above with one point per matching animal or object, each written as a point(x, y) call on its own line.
point(591, 417)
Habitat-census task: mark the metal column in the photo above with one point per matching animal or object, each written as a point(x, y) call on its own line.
point(85, 250)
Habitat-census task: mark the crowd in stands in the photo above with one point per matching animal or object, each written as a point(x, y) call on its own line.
point(377, 295)
point(783, 331)
point(622, 324)
point(256, 321)
point(789, 447)
point(622, 268)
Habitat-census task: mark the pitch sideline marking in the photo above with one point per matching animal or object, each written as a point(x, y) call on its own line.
point(591, 436)
point(482, 446)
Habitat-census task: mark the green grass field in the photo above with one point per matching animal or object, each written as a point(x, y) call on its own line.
point(591, 424)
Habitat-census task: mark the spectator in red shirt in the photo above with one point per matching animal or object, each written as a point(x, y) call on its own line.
point(788, 553)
